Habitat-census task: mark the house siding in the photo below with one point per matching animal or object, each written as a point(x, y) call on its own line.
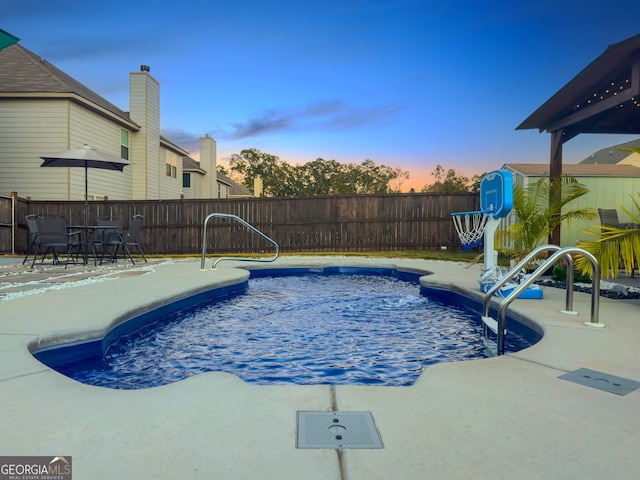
point(29, 129)
point(609, 192)
point(92, 129)
point(194, 190)
point(633, 159)
point(169, 186)
point(604, 192)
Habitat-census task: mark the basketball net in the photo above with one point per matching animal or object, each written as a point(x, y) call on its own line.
point(470, 227)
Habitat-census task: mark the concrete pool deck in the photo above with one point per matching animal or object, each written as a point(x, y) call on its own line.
point(501, 418)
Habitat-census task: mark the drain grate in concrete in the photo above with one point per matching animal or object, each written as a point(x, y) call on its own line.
point(337, 430)
point(602, 381)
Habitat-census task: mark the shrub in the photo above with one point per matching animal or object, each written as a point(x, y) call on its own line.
point(560, 274)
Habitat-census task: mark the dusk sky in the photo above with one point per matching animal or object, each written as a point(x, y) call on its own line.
point(405, 83)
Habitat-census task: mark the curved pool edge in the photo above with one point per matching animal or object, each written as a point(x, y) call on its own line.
point(137, 296)
point(431, 274)
point(72, 358)
point(107, 317)
point(176, 295)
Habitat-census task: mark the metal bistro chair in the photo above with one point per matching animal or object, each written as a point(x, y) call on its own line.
point(609, 217)
point(128, 239)
point(54, 237)
point(109, 231)
point(34, 238)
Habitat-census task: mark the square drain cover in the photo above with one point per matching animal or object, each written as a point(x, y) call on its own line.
point(337, 430)
point(602, 381)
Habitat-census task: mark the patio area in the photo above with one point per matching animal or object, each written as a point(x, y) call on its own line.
point(500, 418)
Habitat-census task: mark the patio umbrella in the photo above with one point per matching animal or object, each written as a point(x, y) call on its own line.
point(85, 157)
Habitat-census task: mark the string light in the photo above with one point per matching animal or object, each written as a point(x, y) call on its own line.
point(611, 89)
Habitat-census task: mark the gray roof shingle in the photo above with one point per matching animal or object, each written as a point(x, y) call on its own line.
point(190, 165)
point(235, 189)
point(611, 155)
point(23, 72)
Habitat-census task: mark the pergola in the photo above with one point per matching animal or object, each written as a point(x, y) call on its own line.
point(603, 98)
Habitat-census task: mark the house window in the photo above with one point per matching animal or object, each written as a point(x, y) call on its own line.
point(186, 180)
point(124, 144)
point(172, 169)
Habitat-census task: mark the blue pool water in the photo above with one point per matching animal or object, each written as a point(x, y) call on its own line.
point(357, 326)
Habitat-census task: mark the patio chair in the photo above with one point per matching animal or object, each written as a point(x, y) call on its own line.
point(609, 217)
point(106, 235)
point(55, 238)
point(34, 238)
point(128, 239)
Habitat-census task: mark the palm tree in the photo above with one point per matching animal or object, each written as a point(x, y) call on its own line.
point(540, 208)
point(614, 246)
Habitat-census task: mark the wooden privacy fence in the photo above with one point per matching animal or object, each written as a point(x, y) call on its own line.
point(342, 223)
point(7, 225)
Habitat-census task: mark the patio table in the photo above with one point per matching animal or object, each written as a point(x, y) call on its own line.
point(87, 230)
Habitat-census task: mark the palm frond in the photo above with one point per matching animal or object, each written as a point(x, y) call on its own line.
point(540, 208)
point(614, 247)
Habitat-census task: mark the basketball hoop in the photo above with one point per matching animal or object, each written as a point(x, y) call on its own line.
point(470, 227)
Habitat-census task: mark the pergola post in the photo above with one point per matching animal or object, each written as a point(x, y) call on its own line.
point(555, 171)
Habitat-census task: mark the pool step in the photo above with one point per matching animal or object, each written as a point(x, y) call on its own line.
point(491, 346)
point(490, 323)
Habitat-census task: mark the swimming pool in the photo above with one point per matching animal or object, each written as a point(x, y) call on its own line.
point(331, 325)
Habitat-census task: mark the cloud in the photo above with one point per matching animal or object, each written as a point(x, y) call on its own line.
point(327, 116)
point(90, 47)
point(269, 121)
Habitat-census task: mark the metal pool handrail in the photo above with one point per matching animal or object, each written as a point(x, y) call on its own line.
point(516, 269)
point(564, 252)
point(239, 259)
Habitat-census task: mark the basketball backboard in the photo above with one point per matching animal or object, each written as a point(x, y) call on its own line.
point(496, 193)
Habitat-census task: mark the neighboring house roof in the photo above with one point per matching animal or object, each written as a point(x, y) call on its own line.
point(576, 170)
point(222, 178)
point(611, 155)
point(235, 189)
point(190, 165)
point(169, 145)
point(24, 74)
